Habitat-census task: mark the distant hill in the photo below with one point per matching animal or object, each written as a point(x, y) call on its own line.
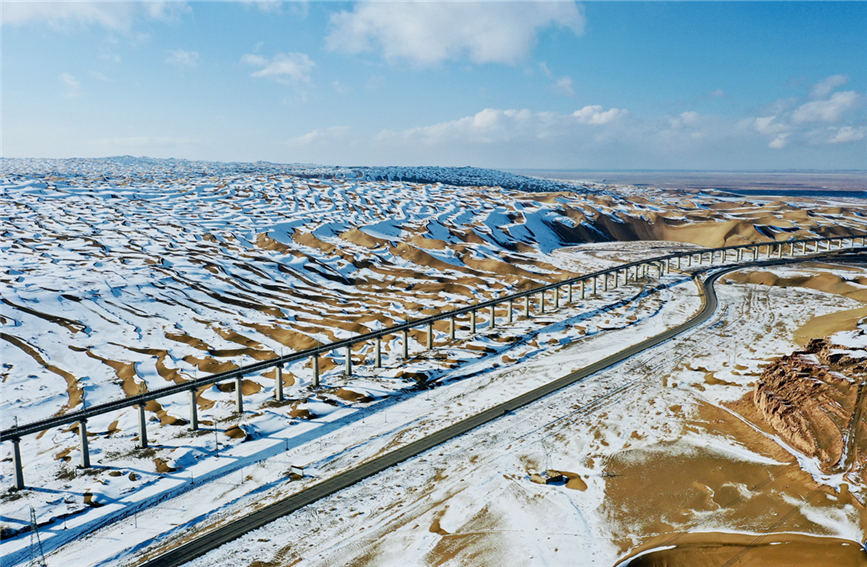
point(126, 166)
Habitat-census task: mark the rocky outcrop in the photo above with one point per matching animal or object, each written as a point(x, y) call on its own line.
point(809, 398)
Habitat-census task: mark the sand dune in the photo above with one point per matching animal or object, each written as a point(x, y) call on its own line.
point(724, 549)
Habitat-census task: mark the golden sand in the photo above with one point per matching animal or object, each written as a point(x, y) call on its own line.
point(742, 550)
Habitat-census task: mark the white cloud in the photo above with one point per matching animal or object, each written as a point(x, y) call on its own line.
point(108, 55)
point(117, 16)
point(768, 125)
point(297, 8)
point(183, 58)
point(792, 123)
point(493, 126)
point(71, 86)
point(824, 87)
point(848, 134)
point(830, 110)
point(564, 86)
point(100, 76)
point(320, 136)
point(595, 114)
point(266, 6)
point(283, 67)
point(718, 93)
point(427, 33)
point(779, 141)
point(684, 119)
point(774, 126)
point(165, 10)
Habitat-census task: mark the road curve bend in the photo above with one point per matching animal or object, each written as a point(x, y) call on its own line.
point(235, 529)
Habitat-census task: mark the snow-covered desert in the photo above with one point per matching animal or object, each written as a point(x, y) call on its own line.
point(125, 275)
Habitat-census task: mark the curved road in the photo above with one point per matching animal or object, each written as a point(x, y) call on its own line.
point(235, 529)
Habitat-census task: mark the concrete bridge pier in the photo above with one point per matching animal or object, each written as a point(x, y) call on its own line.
point(405, 341)
point(556, 291)
point(16, 462)
point(377, 351)
point(239, 395)
point(583, 282)
point(595, 284)
point(605, 282)
point(278, 391)
point(194, 411)
point(511, 310)
point(473, 322)
point(493, 316)
point(315, 360)
point(569, 296)
point(142, 427)
point(452, 329)
point(527, 306)
point(85, 451)
point(347, 361)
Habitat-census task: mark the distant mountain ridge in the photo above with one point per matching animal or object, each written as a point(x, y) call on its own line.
point(125, 166)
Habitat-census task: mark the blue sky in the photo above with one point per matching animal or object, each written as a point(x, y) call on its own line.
point(599, 85)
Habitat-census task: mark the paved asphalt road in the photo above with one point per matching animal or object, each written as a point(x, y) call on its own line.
point(235, 529)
